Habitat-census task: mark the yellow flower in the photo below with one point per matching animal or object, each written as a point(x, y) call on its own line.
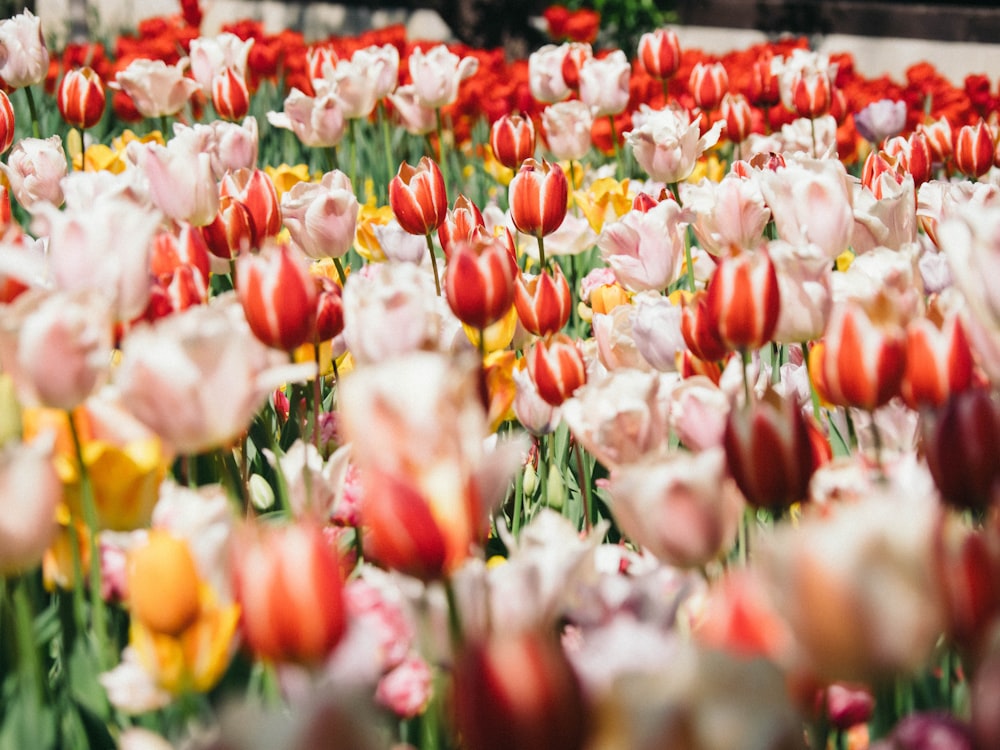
point(365, 241)
point(494, 168)
point(711, 167)
point(844, 260)
point(499, 335)
point(58, 563)
point(100, 157)
point(499, 373)
point(606, 198)
point(286, 176)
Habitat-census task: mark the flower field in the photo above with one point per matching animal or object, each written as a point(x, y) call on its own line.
point(380, 393)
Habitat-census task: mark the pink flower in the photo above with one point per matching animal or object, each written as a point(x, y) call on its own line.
point(644, 249)
point(406, 690)
point(545, 76)
point(317, 121)
point(656, 330)
point(24, 60)
point(31, 490)
point(157, 89)
point(321, 217)
point(729, 216)
point(567, 129)
point(230, 146)
point(212, 55)
point(804, 287)
point(34, 169)
point(667, 144)
point(437, 74)
point(181, 183)
point(698, 413)
point(604, 83)
point(415, 117)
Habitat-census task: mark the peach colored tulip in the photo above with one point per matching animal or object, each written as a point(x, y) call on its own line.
point(181, 182)
point(322, 217)
point(567, 128)
point(604, 83)
point(318, 121)
point(545, 76)
point(728, 216)
point(645, 250)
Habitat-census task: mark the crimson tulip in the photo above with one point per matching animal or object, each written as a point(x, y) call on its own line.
point(479, 281)
point(81, 98)
point(278, 295)
point(556, 367)
point(512, 139)
point(418, 198)
point(543, 302)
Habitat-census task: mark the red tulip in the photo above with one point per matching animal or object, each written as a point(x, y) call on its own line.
point(939, 137)
point(659, 53)
point(538, 197)
point(543, 302)
point(961, 440)
point(186, 247)
point(577, 53)
point(772, 451)
point(460, 223)
point(255, 189)
point(736, 111)
point(232, 231)
point(289, 584)
point(938, 362)
point(973, 149)
point(919, 159)
point(859, 363)
point(877, 164)
point(6, 123)
point(699, 332)
point(518, 691)
point(479, 281)
point(81, 98)
point(230, 95)
point(418, 198)
point(329, 308)
point(765, 90)
point(708, 83)
point(812, 95)
point(556, 367)
point(512, 139)
point(278, 295)
point(742, 300)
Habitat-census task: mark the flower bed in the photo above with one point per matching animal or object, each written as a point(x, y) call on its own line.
point(377, 393)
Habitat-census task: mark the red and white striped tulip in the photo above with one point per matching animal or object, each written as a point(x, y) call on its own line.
point(255, 189)
point(543, 302)
point(538, 197)
point(329, 308)
point(940, 138)
point(185, 246)
point(512, 139)
point(812, 94)
point(772, 450)
point(81, 98)
point(860, 362)
point(232, 232)
point(659, 53)
point(479, 281)
point(699, 332)
point(973, 149)
point(462, 223)
point(556, 367)
point(708, 83)
point(574, 56)
point(742, 300)
point(418, 197)
point(7, 123)
point(278, 295)
point(736, 111)
point(321, 62)
point(765, 86)
point(938, 362)
point(230, 95)
point(289, 585)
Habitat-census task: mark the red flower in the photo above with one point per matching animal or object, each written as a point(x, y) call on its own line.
point(973, 149)
point(538, 198)
point(479, 281)
point(512, 139)
point(742, 300)
point(543, 302)
point(278, 295)
point(81, 98)
point(567, 25)
point(7, 123)
point(462, 223)
point(556, 367)
point(230, 95)
point(418, 198)
point(660, 53)
point(938, 362)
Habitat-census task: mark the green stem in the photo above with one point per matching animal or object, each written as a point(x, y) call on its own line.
point(36, 130)
point(341, 274)
point(482, 343)
point(90, 517)
point(454, 616)
point(518, 503)
point(352, 129)
point(543, 469)
point(747, 359)
point(27, 650)
point(583, 478)
point(164, 124)
point(434, 265)
point(317, 395)
point(541, 253)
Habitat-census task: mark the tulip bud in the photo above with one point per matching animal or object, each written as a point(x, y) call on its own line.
point(230, 95)
point(518, 691)
point(289, 584)
point(538, 197)
point(163, 584)
point(700, 335)
point(742, 300)
point(848, 706)
point(255, 189)
point(938, 362)
point(859, 363)
point(418, 196)
point(772, 451)
point(708, 84)
point(765, 89)
point(231, 232)
point(6, 123)
point(919, 160)
point(479, 281)
point(278, 295)
point(81, 98)
point(960, 440)
point(329, 309)
point(812, 95)
point(973, 149)
point(512, 139)
point(735, 110)
point(557, 368)
point(460, 223)
point(543, 302)
point(940, 138)
point(659, 53)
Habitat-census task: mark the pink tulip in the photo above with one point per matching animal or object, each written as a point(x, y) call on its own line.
point(25, 60)
point(181, 183)
point(645, 250)
point(567, 129)
point(157, 89)
point(317, 121)
point(415, 117)
point(666, 144)
point(729, 216)
point(31, 490)
point(437, 74)
point(210, 56)
point(604, 83)
point(34, 169)
point(231, 146)
point(255, 190)
point(545, 76)
point(322, 217)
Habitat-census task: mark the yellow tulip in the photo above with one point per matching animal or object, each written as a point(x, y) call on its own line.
point(285, 176)
point(605, 196)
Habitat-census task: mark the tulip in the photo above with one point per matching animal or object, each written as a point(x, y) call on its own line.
point(417, 196)
point(860, 361)
point(765, 89)
point(7, 123)
point(973, 149)
point(355, 80)
point(574, 55)
point(545, 77)
point(320, 61)
point(254, 189)
point(666, 144)
point(185, 246)
point(157, 89)
point(681, 508)
point(492, 680)
point(938, 362)
point(212, 56)
point(437, 74)
point(708, 83)
point(656, 330)
point(289, 584)
point(659, 53)
point(181, 182)
point(230, 95)
point(415, 118)
point(604, 83)
point(278, 296)
point(317, 121)
point(929, 730)
point(543, 302)
point(805, 280)
point(940, 138)
point(231, 232)
point(772, 451)
point(735, 110)
point(960, 439)
point(567, 128)
point(329, 309)
point(512, 139)
point(729, 216)
point(231, 146)
point(538, 197)
point(743, 300)
point(556, 367)
point(163, 583)
point(847, 706)
point(881, 120)
point(464, 222)
point(534, 413)
point(34, 170)
point(81, 98)
point(479, 281)
point(322, 217)
point(31, 490)
point(699, 331)
point(25, 60)
point(645, 250)
point(811, 95)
